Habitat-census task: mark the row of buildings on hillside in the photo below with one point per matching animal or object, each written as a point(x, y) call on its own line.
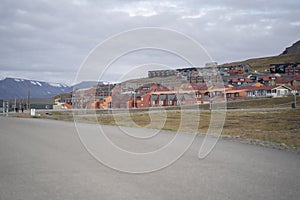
point(189, 86)
point(285, 68)
point(196, 74)
point(191, 74)
point(182, 86)
point(158, 95)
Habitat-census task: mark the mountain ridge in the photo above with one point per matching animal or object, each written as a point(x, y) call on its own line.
point(11, 88)
point(261, 64)
point(295, 48)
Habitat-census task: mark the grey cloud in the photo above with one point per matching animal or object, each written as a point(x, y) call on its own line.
point(54, 37)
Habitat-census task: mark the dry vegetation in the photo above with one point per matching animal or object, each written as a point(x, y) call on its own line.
point(261, 64)
point(264, 119)
point(280, 126)
point(276, 126)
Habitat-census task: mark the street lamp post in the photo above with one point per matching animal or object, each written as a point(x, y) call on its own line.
point(4, 107)
point(133, 99)
point(28, 98)
point(295, 100)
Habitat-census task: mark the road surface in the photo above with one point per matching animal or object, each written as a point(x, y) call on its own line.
point(44, 159)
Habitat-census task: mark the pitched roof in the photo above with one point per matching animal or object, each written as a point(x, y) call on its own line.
point(281, 80)
point(265, 78)
point(252, 88)
point(284, 86)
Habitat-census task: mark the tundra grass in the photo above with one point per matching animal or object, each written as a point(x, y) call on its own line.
point(276, 125)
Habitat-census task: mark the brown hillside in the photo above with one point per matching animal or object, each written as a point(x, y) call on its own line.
point(258, 64)
point(262, 64)
point(295, 48)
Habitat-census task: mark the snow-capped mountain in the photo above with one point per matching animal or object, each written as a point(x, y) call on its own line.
point(11, 88)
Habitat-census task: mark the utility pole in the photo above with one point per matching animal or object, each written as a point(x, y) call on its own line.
point(133, 99)
point(6, 107)
point(15, 107)
point(109, 96)
point(28, 98)
point(295, 100)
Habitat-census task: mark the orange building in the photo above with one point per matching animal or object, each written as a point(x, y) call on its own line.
point(107, 102)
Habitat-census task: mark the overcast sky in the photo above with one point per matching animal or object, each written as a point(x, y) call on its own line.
point(48, 40)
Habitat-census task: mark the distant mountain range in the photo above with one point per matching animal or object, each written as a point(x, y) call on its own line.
point(11, 88)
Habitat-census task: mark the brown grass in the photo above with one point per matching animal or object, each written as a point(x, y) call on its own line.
point(261, 64)
point(276, 125)
point(281, 126)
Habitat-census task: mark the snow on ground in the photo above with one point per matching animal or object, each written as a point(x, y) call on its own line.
point(38, 83)
point(64, 85)
point(58, 85)
point(18, 80)
point(55, 84)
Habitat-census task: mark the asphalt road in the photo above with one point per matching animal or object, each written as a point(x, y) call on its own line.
point(43, 159)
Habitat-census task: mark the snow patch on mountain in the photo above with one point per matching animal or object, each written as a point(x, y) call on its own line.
point(57, 85)
point(32, 82)
point(19, 80)
point(38, 83)
point(11, 88)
